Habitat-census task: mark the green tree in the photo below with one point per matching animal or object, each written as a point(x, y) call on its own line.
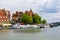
point(25, 18)
point(44, 21)
point(36, 19)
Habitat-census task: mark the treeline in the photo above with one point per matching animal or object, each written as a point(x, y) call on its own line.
point(34, 19)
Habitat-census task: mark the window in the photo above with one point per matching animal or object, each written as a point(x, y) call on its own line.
point(0, 17)
point(6, 16)
point(2, 20)
point(3, 17)
point(5, 20)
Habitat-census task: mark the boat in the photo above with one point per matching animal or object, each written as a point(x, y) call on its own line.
point(15, 26)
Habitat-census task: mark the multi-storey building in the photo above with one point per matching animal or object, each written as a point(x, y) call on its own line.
point(4, 16)
point(16, 17)
point(29, 12)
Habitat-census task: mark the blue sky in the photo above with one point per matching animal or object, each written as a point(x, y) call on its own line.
point(48, 9)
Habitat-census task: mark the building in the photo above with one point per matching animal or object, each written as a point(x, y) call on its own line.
point(4, 17)
point(16, 17)
point(7, 13)
point(29, 12)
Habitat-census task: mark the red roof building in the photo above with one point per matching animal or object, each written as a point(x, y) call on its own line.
point(29, 12)
point(16, 16)
point(4, 16)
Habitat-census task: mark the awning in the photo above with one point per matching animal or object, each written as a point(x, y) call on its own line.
point(6, 24)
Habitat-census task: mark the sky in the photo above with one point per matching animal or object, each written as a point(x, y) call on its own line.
point(47, 9)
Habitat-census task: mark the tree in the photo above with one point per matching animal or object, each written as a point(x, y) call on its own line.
point(44, 21)
point(36, 19)
point(27, 19)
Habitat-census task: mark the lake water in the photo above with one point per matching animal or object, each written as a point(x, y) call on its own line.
point(44, 34)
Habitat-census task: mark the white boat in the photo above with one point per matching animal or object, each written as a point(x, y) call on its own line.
point(15, 26)
point(44, 26)
point(23, 26)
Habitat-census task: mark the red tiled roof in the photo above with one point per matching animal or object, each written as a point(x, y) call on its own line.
point(2, 13)
point(3, 17)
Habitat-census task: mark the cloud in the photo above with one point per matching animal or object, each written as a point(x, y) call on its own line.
point(51, 17)
point(48, 9)
point(21, 4)
point(51, 7)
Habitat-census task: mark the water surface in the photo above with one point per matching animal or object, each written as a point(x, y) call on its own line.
point(44, 34)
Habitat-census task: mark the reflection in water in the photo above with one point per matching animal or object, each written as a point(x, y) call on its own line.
point(5, 30)
point(29, 30)
point(25, 30)
point(44, 34)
